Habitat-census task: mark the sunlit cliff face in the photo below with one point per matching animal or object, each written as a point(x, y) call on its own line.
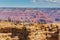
point(31, 14)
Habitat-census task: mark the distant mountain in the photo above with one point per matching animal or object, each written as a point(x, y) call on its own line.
point(31, 14)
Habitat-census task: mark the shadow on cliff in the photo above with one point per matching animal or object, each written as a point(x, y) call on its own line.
point(21, 33)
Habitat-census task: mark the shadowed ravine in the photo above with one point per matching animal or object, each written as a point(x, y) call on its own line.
point(21, 33)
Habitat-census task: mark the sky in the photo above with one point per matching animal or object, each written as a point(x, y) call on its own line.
point(30, 3)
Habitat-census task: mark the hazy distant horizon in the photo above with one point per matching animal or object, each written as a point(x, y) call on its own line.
point(31, 14)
